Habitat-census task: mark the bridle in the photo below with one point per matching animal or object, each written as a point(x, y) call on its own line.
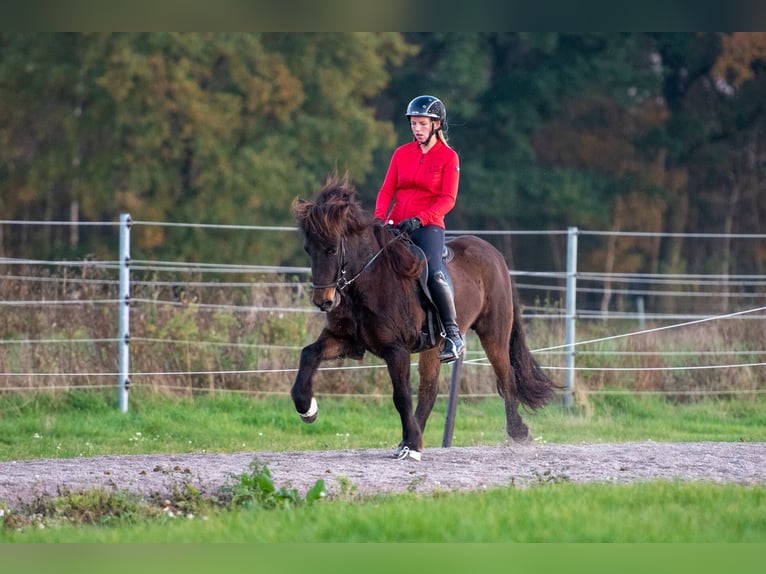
point(340, 283)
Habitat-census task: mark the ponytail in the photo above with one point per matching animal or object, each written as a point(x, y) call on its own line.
point(442, 136)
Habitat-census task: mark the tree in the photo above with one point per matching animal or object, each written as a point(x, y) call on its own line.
point(532, 116)
point(714, 86)
point(218, 128)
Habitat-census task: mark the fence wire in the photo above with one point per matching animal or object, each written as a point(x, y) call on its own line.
point(152, 294)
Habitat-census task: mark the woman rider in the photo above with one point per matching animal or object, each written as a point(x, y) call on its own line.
point(419, 189)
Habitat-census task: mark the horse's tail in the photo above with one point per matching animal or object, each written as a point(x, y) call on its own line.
point(534, 388)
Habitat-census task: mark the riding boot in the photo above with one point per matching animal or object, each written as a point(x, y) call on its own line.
point(441, 293)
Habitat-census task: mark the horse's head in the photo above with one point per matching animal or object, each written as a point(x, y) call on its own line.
point(327, 225)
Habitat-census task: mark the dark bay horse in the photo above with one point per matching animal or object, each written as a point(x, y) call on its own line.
point(365, 277)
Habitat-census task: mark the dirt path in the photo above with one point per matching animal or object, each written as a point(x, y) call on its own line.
point(374, 470)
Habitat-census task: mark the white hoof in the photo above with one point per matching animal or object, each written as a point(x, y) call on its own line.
point(406, 452)
point(310, 414)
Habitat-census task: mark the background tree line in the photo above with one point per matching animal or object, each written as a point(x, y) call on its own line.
point(655, 132)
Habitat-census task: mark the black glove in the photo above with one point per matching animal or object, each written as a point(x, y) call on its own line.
point(409, 225)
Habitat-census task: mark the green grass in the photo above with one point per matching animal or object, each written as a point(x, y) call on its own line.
point(87, 423)
point(80, 423)
point(652, 512)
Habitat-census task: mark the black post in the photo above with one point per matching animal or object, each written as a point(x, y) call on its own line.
point(454, 389)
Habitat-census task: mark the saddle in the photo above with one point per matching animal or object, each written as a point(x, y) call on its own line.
point(432, 324)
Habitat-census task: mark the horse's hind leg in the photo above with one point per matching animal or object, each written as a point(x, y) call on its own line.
point(497, 350)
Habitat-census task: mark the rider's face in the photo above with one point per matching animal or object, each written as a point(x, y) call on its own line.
point(421, 127)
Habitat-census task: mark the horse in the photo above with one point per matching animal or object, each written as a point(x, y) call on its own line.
point(365, 278)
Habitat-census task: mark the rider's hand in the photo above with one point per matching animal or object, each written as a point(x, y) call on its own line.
point(409, 225)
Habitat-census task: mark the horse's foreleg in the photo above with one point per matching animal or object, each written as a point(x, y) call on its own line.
point(428, 389)
point(398, 362)
point(302, 391)
point(326, 347)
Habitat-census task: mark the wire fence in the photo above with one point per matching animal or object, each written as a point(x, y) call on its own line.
point(191, 330)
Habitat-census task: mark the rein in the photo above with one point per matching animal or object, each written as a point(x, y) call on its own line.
point(341, 282)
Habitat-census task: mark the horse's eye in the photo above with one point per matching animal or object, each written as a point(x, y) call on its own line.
point(332, 250)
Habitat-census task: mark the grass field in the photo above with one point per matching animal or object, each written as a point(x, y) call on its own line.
point(656, 512)
point(87, 423)
point(84, 423)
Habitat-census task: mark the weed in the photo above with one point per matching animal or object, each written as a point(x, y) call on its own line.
point(184, 499)
point(547, 477)
point(415, 483)
point(105, 508)
point(96, 506)
point(347, 489)
point(256, 489)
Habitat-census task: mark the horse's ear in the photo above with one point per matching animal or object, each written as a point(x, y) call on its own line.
point(299, 207)
point(341, 185)
point(347, 187)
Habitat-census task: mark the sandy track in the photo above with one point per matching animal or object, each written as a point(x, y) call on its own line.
point(374, 470)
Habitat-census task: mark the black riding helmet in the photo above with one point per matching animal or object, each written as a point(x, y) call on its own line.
point(430, 107)
point(427, 106)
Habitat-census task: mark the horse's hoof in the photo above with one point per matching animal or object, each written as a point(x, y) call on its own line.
point(403, 452)
point(523, 437)
point(310, 415)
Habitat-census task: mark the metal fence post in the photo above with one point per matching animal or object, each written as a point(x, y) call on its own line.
point(571, 315)
point(124, 313)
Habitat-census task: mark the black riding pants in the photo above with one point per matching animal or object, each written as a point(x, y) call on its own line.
point(430, 239)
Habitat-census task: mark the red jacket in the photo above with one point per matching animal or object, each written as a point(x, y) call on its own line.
point(421, 185)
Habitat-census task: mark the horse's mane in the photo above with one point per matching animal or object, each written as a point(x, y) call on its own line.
point(336, 213)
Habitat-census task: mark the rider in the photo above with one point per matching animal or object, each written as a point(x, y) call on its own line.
point(422, 182)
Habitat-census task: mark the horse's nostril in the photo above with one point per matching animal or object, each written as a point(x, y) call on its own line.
point(325, 300)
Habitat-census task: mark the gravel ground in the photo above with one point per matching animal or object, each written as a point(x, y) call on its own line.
point(372, 471)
